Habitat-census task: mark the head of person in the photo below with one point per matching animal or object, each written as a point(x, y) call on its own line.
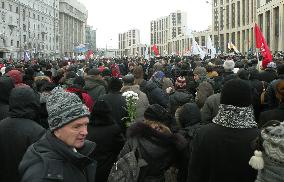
point(128, 80)
point(229, 65)
point(158, 118)
point(199, 72)
point(68, 117)
point(280, 91)
point(94, 72)
point(115, 84)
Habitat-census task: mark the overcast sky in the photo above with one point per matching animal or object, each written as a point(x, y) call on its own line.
point(111, 17)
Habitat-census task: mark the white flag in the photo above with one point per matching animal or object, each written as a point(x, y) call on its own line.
point(196, 49)
point(210, 46)
point(146, 54)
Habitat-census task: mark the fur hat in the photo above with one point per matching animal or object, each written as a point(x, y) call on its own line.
point(236, 92)
point(64, 107)
point(180, 83)
point(94, 71)
point(155, 112)
point(229, 65)
point(201, 71)
point(115, 84)
point(128, 79)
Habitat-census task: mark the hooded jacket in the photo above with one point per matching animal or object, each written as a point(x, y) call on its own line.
point(50, 159)
point(18, 132)
point(159, 150)
point(95, 87)
point(6, 86)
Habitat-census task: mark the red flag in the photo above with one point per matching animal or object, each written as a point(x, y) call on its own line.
point(155, 49)
point(263, 47)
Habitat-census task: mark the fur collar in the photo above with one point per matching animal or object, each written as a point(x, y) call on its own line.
point(142, 130)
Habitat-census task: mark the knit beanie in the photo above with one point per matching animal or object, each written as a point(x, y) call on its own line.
point(201, 71)
point(236, 92)
point(64, 107)
point(229, 65)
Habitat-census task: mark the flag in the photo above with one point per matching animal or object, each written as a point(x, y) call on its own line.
point(196, 49)
point(210, 47)
point(155, 49)
point(146, 54)
point(26, 56)
point(232, 46)
point(262, 46)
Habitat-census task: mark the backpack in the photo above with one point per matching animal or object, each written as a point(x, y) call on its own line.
point(127, 168)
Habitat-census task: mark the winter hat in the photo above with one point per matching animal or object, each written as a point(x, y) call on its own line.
point(180, 83)
point(229, 65)
point(16, 76)
point(101, 107)
point(94, 71)
point(128, 79)
point(155, 112)
point(115, 84)
point(236, 92)
point(201, 71)
point(271, 142)
point(64, 107)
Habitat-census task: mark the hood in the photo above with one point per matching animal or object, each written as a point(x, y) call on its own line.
point(16, 76)
point(150, 86)
point(134, 88)
point(6, 86)
point(93, 82)
point(24, 103)
point(189, 115)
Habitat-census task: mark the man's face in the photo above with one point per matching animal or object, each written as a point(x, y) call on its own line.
point(196, 77)
point(74, 133)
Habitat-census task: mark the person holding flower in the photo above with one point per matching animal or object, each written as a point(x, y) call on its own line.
point(136, 112)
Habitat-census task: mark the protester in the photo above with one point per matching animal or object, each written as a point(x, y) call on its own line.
point(6, 86)
point(62, 153)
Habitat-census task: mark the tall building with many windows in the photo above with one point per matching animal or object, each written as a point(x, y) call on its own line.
point(166, 30)
point(29, 26)
point(270, 17)
point(72, 22)
point(91, 38)
point(129, 43)
point(234, 20)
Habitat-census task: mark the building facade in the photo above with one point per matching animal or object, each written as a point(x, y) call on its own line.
point(165, 32)
point(270, 18)
point(129, 43)
point(72, 22)
point(30, 26)
point(91, 38)
point(234, 20)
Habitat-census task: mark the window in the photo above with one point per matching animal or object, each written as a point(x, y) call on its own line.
point(18, 43)
point(3, 5)
point(10, 7)
point(17, 9)
point(25, 38)
point(12, 42)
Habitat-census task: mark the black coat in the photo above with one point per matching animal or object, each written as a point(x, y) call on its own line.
point(159, 150)
point(221, 154)
point(118, 105)
point(275, 114)
point(95, 87)
point(50, 159)
point(6, 85)
point(156, 95)
point(109, 140)
point(271, 94)
point(18, 132)
point(268, 75)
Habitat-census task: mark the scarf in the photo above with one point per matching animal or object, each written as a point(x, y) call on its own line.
point(235, 117)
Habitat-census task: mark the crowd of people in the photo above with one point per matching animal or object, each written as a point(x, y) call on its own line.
point(210, 120)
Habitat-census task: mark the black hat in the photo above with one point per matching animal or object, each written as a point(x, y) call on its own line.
point(155, 112)
point(128, 79)
point(115, 84)
point(236, 92)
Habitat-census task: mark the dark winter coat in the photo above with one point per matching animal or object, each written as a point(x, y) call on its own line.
point(109, 139)
point(204, 90)
point(6, 85)
point(210, 108)
point(221, 154)
point(271, 94)
point(95, 87)
point(18, 132)
point(275, 114)
point(268, 75)
point(118, 105)
point(159, 150)
point(177, 99)
point(50, 159)
point(156, 95)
